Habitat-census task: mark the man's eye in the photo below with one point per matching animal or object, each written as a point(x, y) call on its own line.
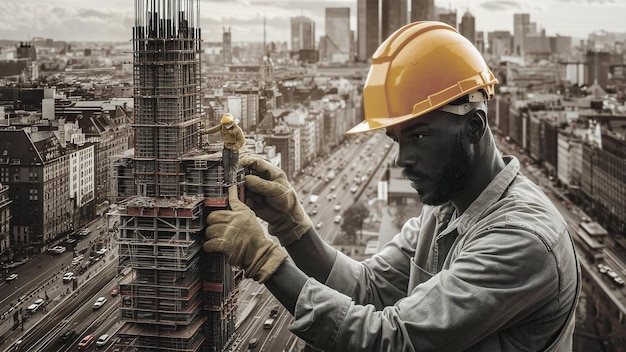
point(417, 137)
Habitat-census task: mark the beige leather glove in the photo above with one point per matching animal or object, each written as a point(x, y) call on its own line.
point(275, 201)
point(238, 235)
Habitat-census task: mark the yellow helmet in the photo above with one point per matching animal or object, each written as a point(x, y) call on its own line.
point(421, 67)
point(227, 119)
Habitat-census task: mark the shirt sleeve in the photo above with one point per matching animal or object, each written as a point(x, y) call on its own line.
point(211, 130)
point(493, 280)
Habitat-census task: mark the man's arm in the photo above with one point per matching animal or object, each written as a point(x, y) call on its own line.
point(240, 139)
point(311, 256)
point(211, 130)
point(286, 283)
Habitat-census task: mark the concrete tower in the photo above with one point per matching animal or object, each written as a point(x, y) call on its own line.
point(467, 27)
point(302, 33)
point(174, 296)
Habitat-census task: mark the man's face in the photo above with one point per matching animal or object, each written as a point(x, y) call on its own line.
point(434, 154)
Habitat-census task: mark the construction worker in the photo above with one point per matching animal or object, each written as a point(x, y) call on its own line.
point(233, 139)
point(488, 265)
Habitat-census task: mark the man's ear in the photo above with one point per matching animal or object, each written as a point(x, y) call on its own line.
point(477, 125)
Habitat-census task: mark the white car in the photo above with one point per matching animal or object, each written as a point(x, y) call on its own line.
point(35, 306)
point(99, 302)
point(103, 339)
point(337, 219)
point(67, 277)
point(57, 249)
point(11, 277)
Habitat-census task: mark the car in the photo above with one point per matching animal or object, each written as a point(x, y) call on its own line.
point(11, 277)
point(68, 335)
point(57, 250)
point(337, 207)
point(103, 339)
point(86, 342)
point(77, 260)
point(269, 323)
point(67, 277)
point(115, 292)
point(31, 309)
point(253, 342)
point(274, 312)
point(337, 219)
point(318, 226)
point(99, 302)
point(101, 251)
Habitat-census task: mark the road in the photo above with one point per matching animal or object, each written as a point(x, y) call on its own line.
point(41, 277)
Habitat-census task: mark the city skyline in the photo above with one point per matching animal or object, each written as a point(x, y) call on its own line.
point(94, 20)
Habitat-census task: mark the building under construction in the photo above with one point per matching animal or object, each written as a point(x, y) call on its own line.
point(176, 297)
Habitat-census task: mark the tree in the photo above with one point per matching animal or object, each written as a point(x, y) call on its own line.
point(353, 219)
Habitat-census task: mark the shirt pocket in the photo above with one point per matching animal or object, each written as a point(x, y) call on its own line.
point(417, 275)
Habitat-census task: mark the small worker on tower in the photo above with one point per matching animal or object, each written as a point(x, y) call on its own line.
point(233, 139)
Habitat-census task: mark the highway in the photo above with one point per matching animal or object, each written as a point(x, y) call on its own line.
point(68, 305)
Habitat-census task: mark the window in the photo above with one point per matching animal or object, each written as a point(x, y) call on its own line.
point(32, 176)
point(33, 194)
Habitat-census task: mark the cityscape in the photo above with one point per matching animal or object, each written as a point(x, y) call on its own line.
point(106, 179)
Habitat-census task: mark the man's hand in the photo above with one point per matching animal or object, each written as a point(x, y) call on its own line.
point(275, 201)
point(238, 235)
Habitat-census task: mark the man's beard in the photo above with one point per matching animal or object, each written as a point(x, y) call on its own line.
point(448, 183)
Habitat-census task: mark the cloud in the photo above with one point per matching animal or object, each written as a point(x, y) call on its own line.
point(593, 2)
point(501, 5)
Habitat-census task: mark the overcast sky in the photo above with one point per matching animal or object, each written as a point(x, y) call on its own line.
point(111, 20)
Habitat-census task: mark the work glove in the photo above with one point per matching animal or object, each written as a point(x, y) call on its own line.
point(275, 201)
point(238, 235)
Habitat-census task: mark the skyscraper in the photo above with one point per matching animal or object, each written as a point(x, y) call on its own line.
point(467, 27)
point(302, 33)
point(175, 297)
point(422, 10)
point(521, 28)
point(368, 37)
point(227, 47)
point(338, 35)
point(394, 14)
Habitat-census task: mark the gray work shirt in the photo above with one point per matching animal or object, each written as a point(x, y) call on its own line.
point(503, 276)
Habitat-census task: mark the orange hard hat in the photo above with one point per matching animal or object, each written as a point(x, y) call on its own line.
point(421, 67)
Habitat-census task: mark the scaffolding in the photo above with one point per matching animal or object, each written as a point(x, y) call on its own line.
point(167, 92)
point(177, 297)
